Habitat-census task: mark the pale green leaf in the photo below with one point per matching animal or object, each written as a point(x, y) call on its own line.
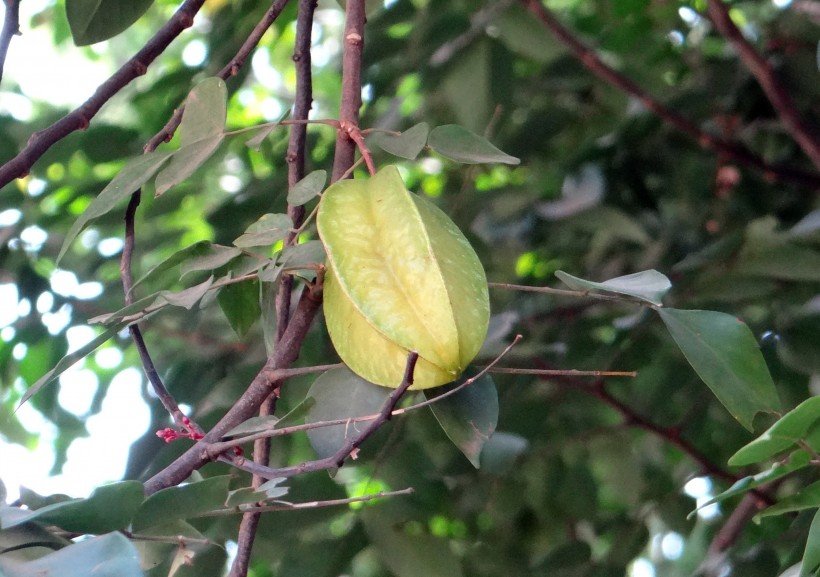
point(307, 188)
point(185, 161)
point(648, 285)
point(205, 110)
point(408, 144)
point(189, 297)
point(182, 502)
point(267, 231)
point(216, 256)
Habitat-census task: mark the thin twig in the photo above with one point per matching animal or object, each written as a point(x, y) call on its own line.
point(296, 171)
point(307, 505)
point(80, 117)
point(590, 60)
point(777, 94)
point(11, 28)
point(230, 69)
point(478, 26)
point(351, 445)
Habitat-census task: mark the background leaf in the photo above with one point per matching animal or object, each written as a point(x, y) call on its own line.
point(724, 353)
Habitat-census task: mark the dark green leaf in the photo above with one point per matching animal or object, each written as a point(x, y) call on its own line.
point(136, 173)
point(108, 508)
point(459, 144)
point(267, 231)
point(408, 144)
point(182, 502)
point(240, 303)
point(307, 188)
point(110, 555)
point(97, 20)
point(341, 394)
point(801, 423)
point(469, 416)
point(648, 285)
point(724, 353)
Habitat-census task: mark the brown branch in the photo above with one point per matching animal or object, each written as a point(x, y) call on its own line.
point(80, 117)
point(351, 85)
point(350, 447)
point(296, 171)
point(590, 60)
point(805, 137)
point(230, 69)
point(11, 28)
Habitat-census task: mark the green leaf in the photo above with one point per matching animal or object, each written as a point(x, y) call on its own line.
point(185, 162)
point(307, 188)
point(469, 416)
point(341, 394)
point(252, 425)
point(110, 555)
point(811, 556)
point(801, 423)
point(798, 460)
point(648, 285)
point(408, 144)
point(724, 353)
point(240, 303)
point(268, 490)
point(71, 358)
point(205, 111)
point(267, 231)
point(190, 296)
point(459, 144)
point(216, 256)
point(198, 249)
point(108, 508)
point(133, 175)
point(303, 255)
point(93, 21)
point(807, 498)
point(298, 413)
point(182, 502)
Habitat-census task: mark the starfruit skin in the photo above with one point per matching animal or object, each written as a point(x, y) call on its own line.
point(400, 276)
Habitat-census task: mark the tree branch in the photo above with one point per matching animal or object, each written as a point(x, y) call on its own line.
point(80, 117)
point(230, 69)
point(351, 85)
point(296, 171)
point(590, 60)
point(768, 81)
point(11, 28)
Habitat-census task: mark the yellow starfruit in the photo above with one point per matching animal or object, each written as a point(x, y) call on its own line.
point(400, 277)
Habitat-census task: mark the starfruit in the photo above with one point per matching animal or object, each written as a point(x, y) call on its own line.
point(400, 277)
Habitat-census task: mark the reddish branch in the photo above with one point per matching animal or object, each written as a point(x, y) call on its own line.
point(766, 77)
point(80, 118)
point(296, 171)
point(590, 60)
point(11, 28)
point(351, 85)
